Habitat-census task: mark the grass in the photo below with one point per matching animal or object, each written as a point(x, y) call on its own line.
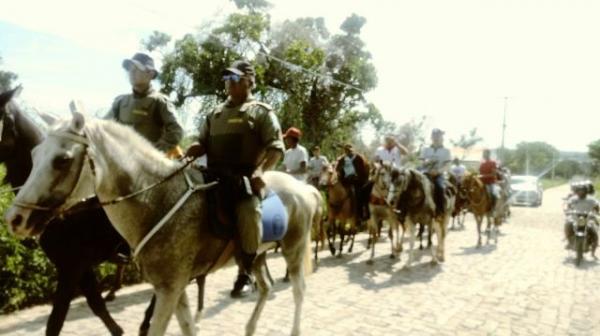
point(548, 183)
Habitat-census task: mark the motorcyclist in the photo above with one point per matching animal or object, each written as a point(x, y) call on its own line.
point(580, 202)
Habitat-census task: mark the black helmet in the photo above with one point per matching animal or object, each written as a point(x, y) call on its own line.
point(579, 186)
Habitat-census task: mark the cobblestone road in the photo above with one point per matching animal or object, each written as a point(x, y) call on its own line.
point(525, 285)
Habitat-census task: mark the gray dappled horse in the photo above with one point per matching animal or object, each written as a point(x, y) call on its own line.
point(381, 210)
point(411, 193)
point(79, 157)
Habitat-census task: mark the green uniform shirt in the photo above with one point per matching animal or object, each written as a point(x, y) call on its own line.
point(151, 115)
point(237, 138)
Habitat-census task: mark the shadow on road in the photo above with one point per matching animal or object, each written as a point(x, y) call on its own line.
point(484, 249)
point(81, 310)
point(586, 263)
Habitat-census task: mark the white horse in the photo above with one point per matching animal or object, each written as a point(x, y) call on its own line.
point(102, 157)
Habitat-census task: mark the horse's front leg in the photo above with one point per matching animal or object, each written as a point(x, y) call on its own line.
point(166, 300)
point(264, 287)
point(184, 315)
point(372, 225)
point(342, 231)
point(478, 219)
point(488, 230)
point(331, 236)
point(89, 288)
point(438, 232)
point(118, 282)
point(410, 226)
point(353, 231)
point(145, 326)
point(67, 283)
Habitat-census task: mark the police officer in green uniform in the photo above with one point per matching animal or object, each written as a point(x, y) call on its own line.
point(242, 138)
point(148, 111)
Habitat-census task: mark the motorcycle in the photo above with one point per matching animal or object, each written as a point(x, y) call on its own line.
point(585, 233)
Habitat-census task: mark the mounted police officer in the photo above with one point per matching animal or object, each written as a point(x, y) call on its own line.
point(241, 139)
point(148, 111)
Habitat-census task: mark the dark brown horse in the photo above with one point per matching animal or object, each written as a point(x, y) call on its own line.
point(412, 196)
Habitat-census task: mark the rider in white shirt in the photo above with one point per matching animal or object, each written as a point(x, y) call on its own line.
point(391, 151)
point(458, 170)
point(296, 157)
point(315, 165)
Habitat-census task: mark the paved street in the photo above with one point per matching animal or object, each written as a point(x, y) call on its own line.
point(525, 285)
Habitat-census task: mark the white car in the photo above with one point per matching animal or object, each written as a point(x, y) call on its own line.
point(526, 190)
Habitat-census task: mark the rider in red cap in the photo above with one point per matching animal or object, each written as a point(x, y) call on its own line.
point(296, 156)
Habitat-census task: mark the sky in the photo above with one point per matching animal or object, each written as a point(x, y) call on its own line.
point(451, 61)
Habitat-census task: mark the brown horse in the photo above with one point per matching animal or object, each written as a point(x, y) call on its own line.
point(340, 210)
point(460, 206)
point(480, 204)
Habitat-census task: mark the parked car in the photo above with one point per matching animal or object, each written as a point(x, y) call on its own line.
point(526, 190)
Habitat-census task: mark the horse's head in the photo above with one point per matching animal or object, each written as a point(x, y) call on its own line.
point(399, 181)
point(381, 176)
point(328, 176)
point(60, 174)
point(8, 130)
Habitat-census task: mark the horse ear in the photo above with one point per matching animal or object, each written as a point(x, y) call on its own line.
point(78, 120)
point(48, 118)
point(5, 97)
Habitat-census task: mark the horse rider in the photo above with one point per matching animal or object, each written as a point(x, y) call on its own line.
point(435, 160)
point(148, 111)
point(241, 139)
point(295, 159)
point(488, 171)
point(582, 202)
point(315, 166)
point(353, 172)
point(391, 151)
point(458, 170)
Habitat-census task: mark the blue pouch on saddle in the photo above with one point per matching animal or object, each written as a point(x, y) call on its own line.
point(274, 218)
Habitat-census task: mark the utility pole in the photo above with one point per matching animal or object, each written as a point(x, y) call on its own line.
point(504, 124)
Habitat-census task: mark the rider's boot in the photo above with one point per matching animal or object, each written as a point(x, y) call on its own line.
point(244, 284)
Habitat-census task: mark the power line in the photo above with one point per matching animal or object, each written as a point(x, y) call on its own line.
point(288, 65)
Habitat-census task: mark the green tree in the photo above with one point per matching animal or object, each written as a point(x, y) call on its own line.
point(468, 140)
point(315, 81)
point(533, 158)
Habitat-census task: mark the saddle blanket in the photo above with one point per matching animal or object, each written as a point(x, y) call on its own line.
point(274, 218)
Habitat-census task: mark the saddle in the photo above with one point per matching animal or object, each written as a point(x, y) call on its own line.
point(221, 204)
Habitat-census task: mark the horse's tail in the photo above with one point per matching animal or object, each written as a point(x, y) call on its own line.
point(316, 222)
point(307, 263)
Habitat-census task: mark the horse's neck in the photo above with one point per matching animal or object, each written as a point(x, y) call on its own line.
point(124, 168)
point(30, 133)
point(18, 168)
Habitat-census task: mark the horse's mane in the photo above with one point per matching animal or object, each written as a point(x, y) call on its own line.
point(139, 149)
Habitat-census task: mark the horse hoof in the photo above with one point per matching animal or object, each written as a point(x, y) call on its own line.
point(110, 297)
point(339, 256)
point(332, 250)
point(117, 332)
point(392, 256)
point(370, 262)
